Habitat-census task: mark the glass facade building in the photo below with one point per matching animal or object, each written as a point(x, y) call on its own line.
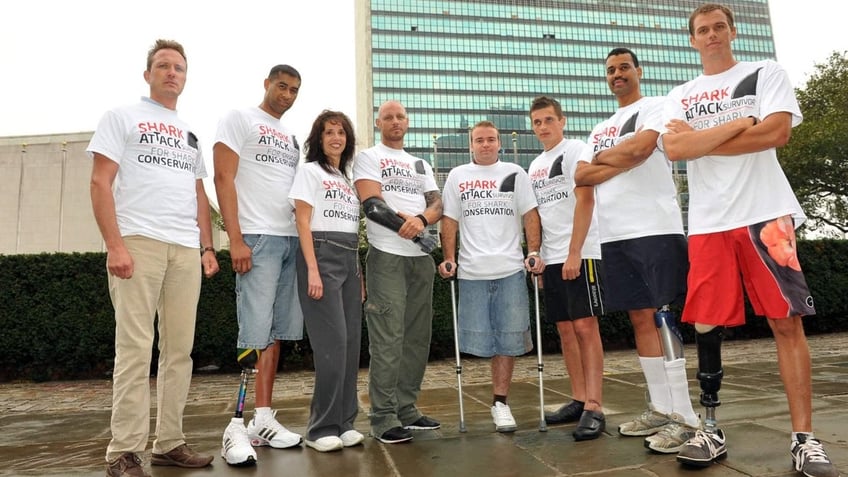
point(455, 62)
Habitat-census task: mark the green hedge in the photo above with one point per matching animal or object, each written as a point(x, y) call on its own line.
point(57, 319)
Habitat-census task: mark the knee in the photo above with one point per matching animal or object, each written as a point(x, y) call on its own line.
point(786, 328)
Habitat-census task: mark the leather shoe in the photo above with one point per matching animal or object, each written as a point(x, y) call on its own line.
point(570, 412)
point(591, 425)
point(182, 456)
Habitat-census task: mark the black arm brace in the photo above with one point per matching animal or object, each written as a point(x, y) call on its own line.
point(377, 210)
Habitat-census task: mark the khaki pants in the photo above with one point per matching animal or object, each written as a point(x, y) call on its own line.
point(166, 279)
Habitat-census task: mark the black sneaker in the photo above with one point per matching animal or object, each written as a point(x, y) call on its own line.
point(395, 435)
point(424, 423)
point(570, 412)
point(809, 458)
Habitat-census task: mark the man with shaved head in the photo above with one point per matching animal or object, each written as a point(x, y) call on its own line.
point(401, 199)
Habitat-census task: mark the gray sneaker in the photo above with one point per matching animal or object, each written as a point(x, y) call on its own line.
point(809, 458)
point(650, 422)
point(670, 439)
point(703, 449)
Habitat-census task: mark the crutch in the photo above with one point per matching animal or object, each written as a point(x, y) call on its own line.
point(543, 426)
point(456, 347)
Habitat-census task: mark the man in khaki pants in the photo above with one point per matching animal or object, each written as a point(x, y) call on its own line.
point(153, 222)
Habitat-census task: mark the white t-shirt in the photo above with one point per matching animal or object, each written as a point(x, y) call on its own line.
point(268, 159)
point(404, 179)
point(335, 207)
point(552, 176)
point(489, 203)
point(728, 192)
point(159, 161)
point(641, 202)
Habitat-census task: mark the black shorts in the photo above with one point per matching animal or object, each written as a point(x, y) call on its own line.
point(645, 272)
point(568, 300)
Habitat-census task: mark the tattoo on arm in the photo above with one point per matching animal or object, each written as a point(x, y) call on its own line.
point(433, 199)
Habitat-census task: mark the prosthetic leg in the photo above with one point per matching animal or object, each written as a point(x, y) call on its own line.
point(236, 449)
point(247, 358)
point(672, 340)
point(710, 372)
point(377, 210)
point(708, 445)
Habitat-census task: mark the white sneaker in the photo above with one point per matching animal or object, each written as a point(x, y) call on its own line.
point(326, 444)
point(351, 438)
point(504, 422)
point(236, 449)
point(271, 433)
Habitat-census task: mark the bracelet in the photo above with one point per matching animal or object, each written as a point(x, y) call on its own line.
point(755, 120)
point(533, 254)
point(207, 249)
point(423, 219)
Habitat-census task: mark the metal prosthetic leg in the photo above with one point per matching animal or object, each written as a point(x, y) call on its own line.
point(247, 358)
point(672, 339)
point(710, 373)
point(377, 210)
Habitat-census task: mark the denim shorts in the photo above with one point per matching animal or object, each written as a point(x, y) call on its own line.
point(494, 316)
point(266, 297)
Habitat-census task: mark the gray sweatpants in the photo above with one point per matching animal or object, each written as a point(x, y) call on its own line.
point(334, 326)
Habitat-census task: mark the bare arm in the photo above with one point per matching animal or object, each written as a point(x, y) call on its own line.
point(682, 143)
point(630, 153)
point(204, 221)
point(585, 197)
point(119, 262)
point(226, 167)
point(593, 174)
point(449, 230)
point(773, 131)
point(303, 221)
point(533, 235)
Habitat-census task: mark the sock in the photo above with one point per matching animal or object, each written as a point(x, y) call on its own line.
point(658, 392)
point(679, 389)
point(806, 436)
point(262, 414)
point(499, 398)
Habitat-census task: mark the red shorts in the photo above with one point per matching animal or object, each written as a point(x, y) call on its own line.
point(764, 257)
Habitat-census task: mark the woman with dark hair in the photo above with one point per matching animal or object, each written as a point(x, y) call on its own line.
point(329, 278)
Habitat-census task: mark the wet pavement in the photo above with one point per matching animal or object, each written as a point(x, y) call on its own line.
point(62, 428)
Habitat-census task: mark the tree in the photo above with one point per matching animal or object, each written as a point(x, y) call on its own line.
point(816, 158)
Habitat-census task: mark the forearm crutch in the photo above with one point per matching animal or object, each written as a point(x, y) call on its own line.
point(456, 347)
point(543, 426)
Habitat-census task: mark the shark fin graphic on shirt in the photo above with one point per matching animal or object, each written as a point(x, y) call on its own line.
point(419, 167)
point(508, 184)
point(556, 168)
point(192, 140)
point(629, 126)
point(748, 86)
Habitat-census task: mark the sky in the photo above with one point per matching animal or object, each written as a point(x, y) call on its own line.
point(66, 62)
